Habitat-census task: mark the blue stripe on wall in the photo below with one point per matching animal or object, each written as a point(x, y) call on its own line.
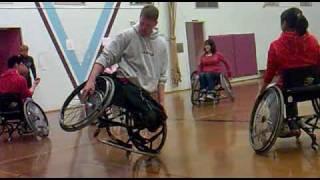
point(80, 70)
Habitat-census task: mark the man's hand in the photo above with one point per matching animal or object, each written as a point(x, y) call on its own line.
point(91, 82)
point(88, 89)
point(36, 81)
point(34, 85)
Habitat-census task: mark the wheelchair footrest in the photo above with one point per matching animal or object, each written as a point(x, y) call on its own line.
point(130, 149)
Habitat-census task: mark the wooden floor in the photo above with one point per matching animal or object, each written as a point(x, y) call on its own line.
point(206, 141)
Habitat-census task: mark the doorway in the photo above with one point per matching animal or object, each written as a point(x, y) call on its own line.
point(10, 41)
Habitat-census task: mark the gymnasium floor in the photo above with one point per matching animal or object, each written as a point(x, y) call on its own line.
point(206, 141)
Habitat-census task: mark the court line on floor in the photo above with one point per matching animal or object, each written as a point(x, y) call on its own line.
point(216, 120)
point(202, 118)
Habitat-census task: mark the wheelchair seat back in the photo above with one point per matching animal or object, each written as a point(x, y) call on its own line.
point(301, 83)
point(10, 106)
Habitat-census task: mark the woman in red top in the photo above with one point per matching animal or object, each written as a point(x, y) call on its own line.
point(294, 48)
point(210, 68)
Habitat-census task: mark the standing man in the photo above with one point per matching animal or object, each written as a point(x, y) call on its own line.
point(28, 61)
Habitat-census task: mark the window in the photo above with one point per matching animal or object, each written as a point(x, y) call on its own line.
point(206, 4)
point(271, 4)
point(70, 3)
point(305, 3)
point(140, 3)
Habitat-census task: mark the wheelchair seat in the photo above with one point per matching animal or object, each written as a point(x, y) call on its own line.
point(10, 106)
point(301, 84)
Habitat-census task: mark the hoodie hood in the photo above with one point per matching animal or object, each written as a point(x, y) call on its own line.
point(293, 42)
point(154, 34)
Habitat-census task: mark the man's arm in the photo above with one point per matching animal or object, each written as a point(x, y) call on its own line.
point(90, 85)
point(163, 76)
point(33, 68)
point(161, 94)
point(110, 55)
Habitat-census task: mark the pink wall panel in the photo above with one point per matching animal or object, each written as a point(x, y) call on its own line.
point(10, 40)
point(245, 52)
point(224, 44)
point(240, 52)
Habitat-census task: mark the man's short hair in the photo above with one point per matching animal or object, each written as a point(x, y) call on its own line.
point(14, 60)
point(24, 47)
point(150, 12)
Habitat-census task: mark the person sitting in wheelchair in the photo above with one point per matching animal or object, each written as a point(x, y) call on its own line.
point(142, 58)
point(295, 48)
point(13, 80)
point(209, 69)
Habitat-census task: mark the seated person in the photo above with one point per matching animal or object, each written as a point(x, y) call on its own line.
point(294, 48)
point(143, 61)
point(13, 80)
point(210, 68)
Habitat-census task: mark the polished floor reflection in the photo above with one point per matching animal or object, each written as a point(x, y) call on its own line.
point(206, 141)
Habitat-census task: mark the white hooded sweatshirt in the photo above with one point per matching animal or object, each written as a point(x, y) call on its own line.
point(142, 60)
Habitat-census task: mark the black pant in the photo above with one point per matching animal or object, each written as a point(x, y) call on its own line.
point(139, 102)
point(292, 110)
point(29, 81)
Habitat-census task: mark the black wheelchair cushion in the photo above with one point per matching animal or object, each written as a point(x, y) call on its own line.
point(301, 83)
point(10, 106)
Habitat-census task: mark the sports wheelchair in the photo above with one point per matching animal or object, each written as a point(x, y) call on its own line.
point(123, 128)
point(270, 116)
point(24, 117)
point(223, 85)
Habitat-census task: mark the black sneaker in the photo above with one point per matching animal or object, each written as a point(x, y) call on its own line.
point(294, 128)
point(293, 125)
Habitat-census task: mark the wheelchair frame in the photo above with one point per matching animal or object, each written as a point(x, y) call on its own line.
point(22, 119)
point(103, 110)
point(224, 85)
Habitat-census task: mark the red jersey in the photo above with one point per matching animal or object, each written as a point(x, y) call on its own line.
point(291, 51)
point(12, 82)
point(213, 63)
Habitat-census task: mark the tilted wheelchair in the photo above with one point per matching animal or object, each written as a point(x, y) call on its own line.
point(123, 128)
point(270, 116)
point(25, 118)
point(223, 85)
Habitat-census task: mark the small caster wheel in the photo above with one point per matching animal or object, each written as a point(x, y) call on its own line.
point(315, 146)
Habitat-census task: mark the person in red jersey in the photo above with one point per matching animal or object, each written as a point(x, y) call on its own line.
point(13, 80)
point(295, 47)
point(210, 67)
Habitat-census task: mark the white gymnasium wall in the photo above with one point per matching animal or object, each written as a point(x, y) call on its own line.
point(79, 23)
point(238, 18)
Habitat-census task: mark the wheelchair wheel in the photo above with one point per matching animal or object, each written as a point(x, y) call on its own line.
point(146, 141)
point(266, 120)
point(195, 89)
point(36, 118)
point(77, 112)
point(225, 83)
